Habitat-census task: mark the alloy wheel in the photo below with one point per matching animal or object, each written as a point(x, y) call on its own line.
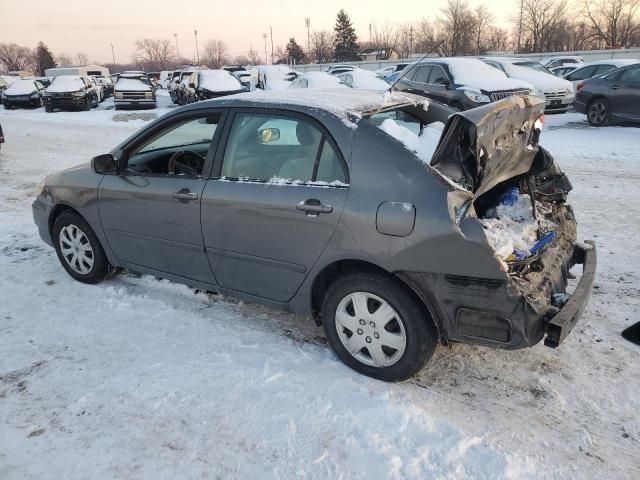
point(370, 329)
point(598, 113)
point(76, 249)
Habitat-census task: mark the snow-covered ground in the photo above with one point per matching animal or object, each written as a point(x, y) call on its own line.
point(143, 378)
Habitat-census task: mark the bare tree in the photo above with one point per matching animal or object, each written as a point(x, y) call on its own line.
point(540, 21)
point(215, 53)
point(322, 46)
point(254, 57)
point(385, 39)
point(64, 60)
point(482, 28)
point(155, 54)
point(456, 27)
point(15, 57)
point(614, 22)
point(82, 58)
point(241, 60)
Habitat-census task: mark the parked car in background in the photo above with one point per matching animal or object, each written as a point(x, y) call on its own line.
point(552, 62)
point(107, 85)
point(23, 93)
point(564, 70)
point(363, 80)
point(208, 84)
point(461, 83)
point(338, 69)
point(70, 92)
point(1, 137)
point(5, 81)
point(179, 86)
point(44, 81)
point(99, 89)
point(317, 80)
point(274, 77)
point(557, 92)
point(241, 73)
point(593, 69)
point(134, 90)
point(383, 72)
point(165, 78)
point(301, 211)
point(611, 98)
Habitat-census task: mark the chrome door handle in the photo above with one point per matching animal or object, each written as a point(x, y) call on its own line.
point(185, 195)
point(314, 207)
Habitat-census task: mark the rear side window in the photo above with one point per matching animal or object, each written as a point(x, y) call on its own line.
point(275, 148)
point(631, 75)
point(602, 69)
point(438, 75)
point(582, 73)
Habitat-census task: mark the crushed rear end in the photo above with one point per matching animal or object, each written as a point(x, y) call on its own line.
point(504, 182)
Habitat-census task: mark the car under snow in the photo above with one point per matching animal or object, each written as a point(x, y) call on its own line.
point(346, 205)
point(208, 84)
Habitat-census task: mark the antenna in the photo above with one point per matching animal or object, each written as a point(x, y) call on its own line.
point(414, 65)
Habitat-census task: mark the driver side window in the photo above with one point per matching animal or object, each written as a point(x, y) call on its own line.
point(179, 150)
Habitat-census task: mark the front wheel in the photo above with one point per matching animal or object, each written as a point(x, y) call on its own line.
point(376, 327)
point(598, 112)
point(79, 250)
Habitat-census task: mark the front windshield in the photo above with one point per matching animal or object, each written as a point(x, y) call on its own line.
point(533, 66)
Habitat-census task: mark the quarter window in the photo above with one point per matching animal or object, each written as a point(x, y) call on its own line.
point(631, 75)
point(422, 75)
point(582, 73)
point(438, 76)
point(278, 148)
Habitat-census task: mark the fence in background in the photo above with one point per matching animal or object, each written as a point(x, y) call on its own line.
point(588, 55)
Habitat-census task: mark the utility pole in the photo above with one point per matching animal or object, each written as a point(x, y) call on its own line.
point(264, 35)
point(195, 34)
point(410, 41)
point(113, 55)
point(175, 35)
point(307, 23)
point(369, 35)
point(520, 27)
point(271, 30)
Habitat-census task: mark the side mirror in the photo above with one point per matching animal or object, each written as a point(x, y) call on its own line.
point(267, 135)
point(104, 164)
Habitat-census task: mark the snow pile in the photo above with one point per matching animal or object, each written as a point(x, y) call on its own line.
point(21, 87)
point(424, 145)
point(475, 73)
point(511, 227)
point(218, 81)
point(66, 83)
point(131, 85)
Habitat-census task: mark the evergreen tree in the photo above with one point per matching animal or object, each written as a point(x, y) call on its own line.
point(294, 52)
point(345, 43)
point(43, 59)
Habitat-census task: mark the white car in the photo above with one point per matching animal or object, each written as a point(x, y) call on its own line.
point(317, 80)
point(383, 72)
point(99, 87)
point(593, 69)
point(274, 77)
point(553, 62)
point(165, 78)
point(338, 69)
point(557, 92)
point(363, 80)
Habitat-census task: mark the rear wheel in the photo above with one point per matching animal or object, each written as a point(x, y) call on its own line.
point(79, 250)
point(598, 112)
point(376, 327)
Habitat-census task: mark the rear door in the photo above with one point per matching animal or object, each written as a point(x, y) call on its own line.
point(624, 95)
point(275, 200)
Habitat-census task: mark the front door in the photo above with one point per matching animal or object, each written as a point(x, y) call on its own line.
point(281, 187)
point(625, 94)
point(151, 211)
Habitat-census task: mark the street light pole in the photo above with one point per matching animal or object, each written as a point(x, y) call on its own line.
point(271, 30)
point(175, 35)
point(113, 55)
point(264, 35)
point(195, 34)
point(307, 23)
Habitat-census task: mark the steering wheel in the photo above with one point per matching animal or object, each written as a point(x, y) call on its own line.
point(181, 164)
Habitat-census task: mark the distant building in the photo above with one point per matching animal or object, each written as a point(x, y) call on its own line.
point(85, 71)
point(372, 54)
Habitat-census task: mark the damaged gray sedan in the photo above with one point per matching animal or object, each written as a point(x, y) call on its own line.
point(395, 223)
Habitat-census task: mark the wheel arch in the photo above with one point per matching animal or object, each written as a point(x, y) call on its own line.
point(332, 271)
point(58, 210)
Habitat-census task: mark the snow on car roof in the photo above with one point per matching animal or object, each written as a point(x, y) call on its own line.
point(476, 73)
point(322, 80)
point(66, 83)
point(132, 84)
point(366, 79)
point(21, 87)
point(218, 81)
point(340, 102)
point(618, 62)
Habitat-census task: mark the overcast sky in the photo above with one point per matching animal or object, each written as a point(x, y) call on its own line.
point(90, 26)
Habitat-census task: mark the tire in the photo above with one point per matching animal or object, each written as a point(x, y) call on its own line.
point(406, 326)
point(48, 109)
point(72, 231)
point(598, 112)
point(86, 106)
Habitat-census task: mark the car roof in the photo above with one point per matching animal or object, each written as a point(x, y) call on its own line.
point(339, 102)
point(618, 62)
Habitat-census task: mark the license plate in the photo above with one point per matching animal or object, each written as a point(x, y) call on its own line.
point(556, 103)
